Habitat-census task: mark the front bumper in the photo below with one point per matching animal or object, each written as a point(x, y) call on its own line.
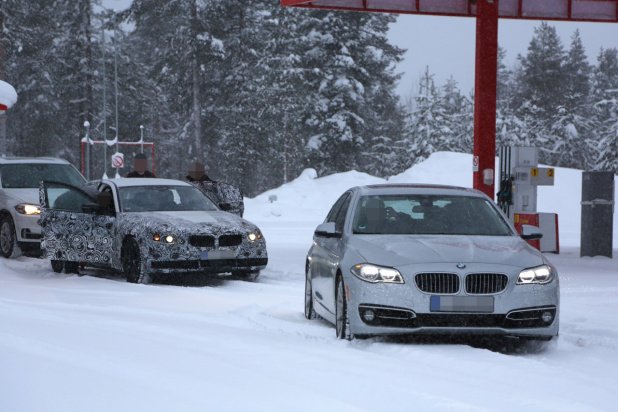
point(208, 266)
point(518, 310)
point(27, 228)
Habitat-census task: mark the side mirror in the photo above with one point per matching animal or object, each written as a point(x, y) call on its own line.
point(529, 232)
point(226, 207)
point(327, 230)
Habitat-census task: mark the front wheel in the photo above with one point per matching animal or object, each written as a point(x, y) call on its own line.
point(57, 265)
point(62, 265)
point(342, 318)
point(132, 264)
point(309, 310)
point(8, 238)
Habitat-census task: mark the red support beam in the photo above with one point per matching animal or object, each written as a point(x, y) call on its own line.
point(485, 83)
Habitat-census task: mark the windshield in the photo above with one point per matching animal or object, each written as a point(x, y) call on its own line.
point(163, 198)
point(28, 175)
point(428, 214)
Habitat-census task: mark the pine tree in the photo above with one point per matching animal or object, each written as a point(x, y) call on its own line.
point(542, 75)
point(353, 82)
point(605, 91)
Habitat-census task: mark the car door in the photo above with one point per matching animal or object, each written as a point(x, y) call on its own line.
point(327, 253)
point(74, 226)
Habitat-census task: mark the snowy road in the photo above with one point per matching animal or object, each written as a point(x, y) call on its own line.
point(96, 343)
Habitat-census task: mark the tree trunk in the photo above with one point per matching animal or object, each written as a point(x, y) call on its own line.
point(197, 109)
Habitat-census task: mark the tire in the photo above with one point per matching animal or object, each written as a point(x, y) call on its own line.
point(71, 267)
point(132, 265)
point(60, 266)
point(8, 238)
point(342, 324)
point(309, 310)
point(57, 265)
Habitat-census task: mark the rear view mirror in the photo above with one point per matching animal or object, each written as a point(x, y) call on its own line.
point(225, 207)
point(327, 230)
point(529, 232)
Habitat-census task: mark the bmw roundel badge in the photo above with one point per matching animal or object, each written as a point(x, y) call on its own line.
point(461, 266)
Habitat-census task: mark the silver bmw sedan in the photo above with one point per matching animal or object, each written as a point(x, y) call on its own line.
point(428, 259)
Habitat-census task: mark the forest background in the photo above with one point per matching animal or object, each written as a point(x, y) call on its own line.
point(258, 92)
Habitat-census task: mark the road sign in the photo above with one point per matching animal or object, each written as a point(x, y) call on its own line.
point(118, 160)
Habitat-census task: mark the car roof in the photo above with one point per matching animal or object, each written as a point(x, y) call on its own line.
point(418, 188)
point(144, 181)
point(27, 160)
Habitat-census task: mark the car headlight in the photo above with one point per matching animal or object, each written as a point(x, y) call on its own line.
point(539, 275)
point(376, 274)
point(163, 238)
point(28, 209)
point(254, 236)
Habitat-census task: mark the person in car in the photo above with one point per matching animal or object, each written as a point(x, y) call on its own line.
point(140, 164)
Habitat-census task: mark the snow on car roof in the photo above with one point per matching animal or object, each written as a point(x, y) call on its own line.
point(144, 181)
point(27, 160)
point(397, 188)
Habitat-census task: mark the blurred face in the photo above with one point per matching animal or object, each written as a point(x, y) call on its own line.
point(141, 165)
point(196, 171)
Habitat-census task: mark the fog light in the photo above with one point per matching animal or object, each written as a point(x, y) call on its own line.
point(547, 317)
point(369, 315)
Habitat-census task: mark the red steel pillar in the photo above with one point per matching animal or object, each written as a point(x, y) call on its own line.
point(485, 81)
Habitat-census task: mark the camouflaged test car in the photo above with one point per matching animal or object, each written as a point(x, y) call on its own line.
point(143, 227)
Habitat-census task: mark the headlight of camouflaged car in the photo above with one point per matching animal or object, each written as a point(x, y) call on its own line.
point(27, 209)
point(164, 238)
point(376, 274)
point(539, 275)
point(254, 236)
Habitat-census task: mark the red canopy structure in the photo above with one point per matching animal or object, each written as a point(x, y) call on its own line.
point(487, 13)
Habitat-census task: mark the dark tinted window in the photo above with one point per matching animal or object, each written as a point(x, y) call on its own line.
point(163, 198)
point(428, 214)
point(334, 211)
point(28, 176)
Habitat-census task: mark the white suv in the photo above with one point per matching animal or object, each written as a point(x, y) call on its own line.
point(19, 199)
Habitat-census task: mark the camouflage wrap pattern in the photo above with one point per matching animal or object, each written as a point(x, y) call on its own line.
point(98, 239)
point(220, 192)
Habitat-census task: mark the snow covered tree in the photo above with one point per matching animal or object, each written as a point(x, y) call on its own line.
point(49, 57)
point(351, 75)
point(542, 75)
point(429, 126)
point(605, 92)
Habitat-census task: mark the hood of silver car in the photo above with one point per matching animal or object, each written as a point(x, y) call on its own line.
point(403, 250)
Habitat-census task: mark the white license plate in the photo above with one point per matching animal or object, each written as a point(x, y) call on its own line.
point(218, 254)
point(462, 304)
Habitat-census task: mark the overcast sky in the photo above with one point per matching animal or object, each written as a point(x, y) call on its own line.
point(447, 45)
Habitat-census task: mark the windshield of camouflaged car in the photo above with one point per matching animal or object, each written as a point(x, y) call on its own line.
point(428, 214)
point(163, 199)
point(28, 175)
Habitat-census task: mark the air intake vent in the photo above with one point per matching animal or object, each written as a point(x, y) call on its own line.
point(230, 240)
point(202, 241)
point(437, 282)
point(485, 283)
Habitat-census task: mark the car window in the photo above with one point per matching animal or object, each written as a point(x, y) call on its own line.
point(332, 214)
point(341, 214)
point(428, 214)
point(163, 198)
point(28, 175)
point(66, 198)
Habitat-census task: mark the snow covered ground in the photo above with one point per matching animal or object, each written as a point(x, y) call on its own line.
point(97, 343)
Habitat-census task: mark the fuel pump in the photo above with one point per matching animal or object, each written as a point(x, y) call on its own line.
point(520, 177)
